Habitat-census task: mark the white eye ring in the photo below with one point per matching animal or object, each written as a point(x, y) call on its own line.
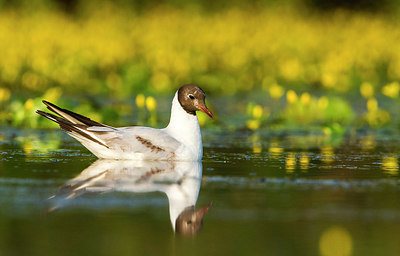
point(191, 96)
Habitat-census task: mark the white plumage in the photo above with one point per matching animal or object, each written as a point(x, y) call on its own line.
point(180, 181)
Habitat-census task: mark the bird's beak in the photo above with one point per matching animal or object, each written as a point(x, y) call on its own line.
point(204, 109)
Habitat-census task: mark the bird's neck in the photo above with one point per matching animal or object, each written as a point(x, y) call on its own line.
point(184, 127)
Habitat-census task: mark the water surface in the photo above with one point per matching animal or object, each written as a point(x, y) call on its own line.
point(282, 193)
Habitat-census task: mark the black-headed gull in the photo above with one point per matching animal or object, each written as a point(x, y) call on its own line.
point(180, 140)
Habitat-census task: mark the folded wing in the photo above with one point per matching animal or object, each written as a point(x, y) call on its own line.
point(113, 143)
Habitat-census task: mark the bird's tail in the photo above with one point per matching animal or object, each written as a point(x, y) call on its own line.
point(74, 124)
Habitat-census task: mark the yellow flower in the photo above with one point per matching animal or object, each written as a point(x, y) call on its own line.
point(276, 91)
point(291, 96)
point(305, 98)
point(5, 94)
point(372, 105)
point(140, 100)
point(257, 112)
point(367, 90)
point(29, 104)
point(151, 104)
point(253, 124)
point(391, 90)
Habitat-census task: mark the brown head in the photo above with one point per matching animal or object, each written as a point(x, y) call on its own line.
point(192, 98)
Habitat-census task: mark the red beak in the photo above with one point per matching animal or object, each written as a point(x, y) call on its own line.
point(206, 110)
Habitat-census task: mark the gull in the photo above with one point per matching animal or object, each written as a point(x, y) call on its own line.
point(179, 141)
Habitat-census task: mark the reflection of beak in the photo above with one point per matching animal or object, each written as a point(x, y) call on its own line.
point(189, 222)
point(206, 110)
point(201, 212)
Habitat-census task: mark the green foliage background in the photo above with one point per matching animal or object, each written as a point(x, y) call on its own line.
point(293, 63)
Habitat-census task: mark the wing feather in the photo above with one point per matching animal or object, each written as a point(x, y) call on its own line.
point(117, 143)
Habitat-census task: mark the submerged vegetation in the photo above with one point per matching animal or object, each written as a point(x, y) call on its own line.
point(298, 69)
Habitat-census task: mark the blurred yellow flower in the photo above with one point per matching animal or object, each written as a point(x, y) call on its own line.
point(276, 91)
point(5, 94)
point(291, 96)
point(151, 104)
point(372, 105)
point(29, 104)
point(257, 112)
point(367, 90)
point(140, 100)
point(305, 98)
point(253, 124)
point(391, 90)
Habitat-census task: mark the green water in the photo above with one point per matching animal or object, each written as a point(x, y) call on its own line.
point(270, 194)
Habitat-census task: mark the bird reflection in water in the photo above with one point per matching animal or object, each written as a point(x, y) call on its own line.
point(180, 181)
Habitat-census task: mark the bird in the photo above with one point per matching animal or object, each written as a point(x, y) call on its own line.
point(179, 141)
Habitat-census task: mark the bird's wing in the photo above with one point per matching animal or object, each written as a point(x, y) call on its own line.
point(145, 140)
point(152, 143)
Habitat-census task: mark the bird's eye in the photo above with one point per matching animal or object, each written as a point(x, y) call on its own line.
point(191, 96)
point(189, 222)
